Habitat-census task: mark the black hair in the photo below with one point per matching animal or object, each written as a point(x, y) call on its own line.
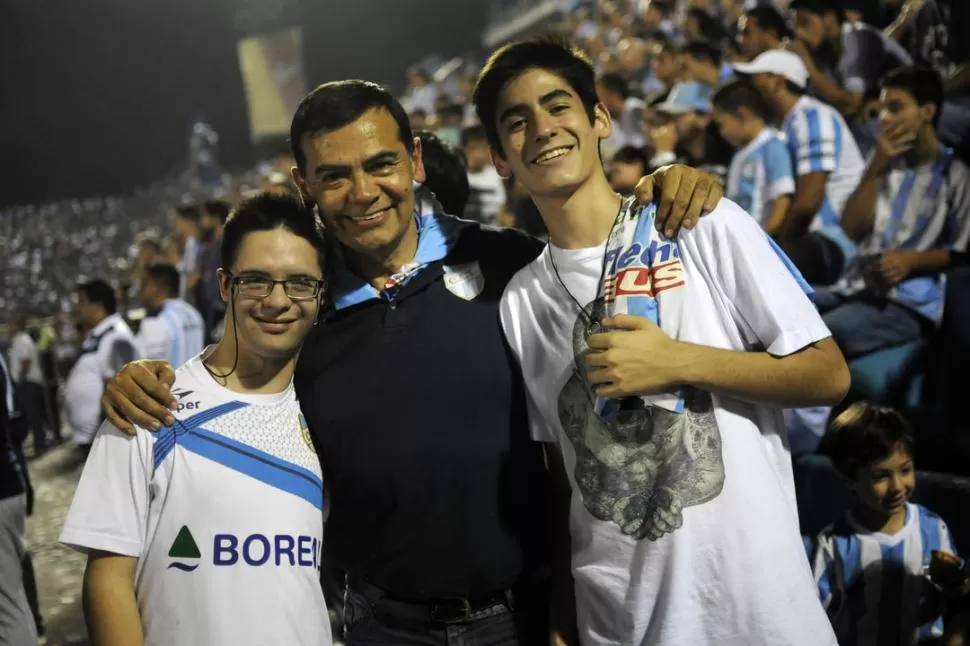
point(446, 173)
point(704, 51)
point(473, 133)
point(166, 276)
point(615, 83)
point(664, 7)
point(336, 104)
point(863, 434)
point(710, 27)
point(769, 19)
point(922, 83)
point(819, 7)
point(451, 109)
point(741, 93)
point(189, 212)
point(100, 292)
point(551, 53)
point(268, 211)
point(217, 208)
point(631, 155)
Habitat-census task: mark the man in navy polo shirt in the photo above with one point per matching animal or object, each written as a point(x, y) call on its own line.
point(414, 401)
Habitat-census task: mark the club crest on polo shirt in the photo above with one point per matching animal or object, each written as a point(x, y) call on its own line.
point(464, 281)
point(305, 432)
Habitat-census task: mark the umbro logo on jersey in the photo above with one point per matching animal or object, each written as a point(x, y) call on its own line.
point(184, 552)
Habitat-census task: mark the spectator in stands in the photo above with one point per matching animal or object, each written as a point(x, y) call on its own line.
point(667, 65)
point(626, 168)
point(702, 62)
point(683, 131)
point(172, 329)
point(937, 34)
point(209, 303)
point(699, 25)
point(626, 111)
point(910, 212)
point(422, 94)
point(17, 625)
point(844, 59)
point(656, 15)
point(487, 190)
point(760, 179)
point(109, 345)
point(187, 219)
point(760, 29)
point(418, 119)
point(449, 122)
point(869, 563)
point(826, 161)
point(445, 174)
point(28, 377)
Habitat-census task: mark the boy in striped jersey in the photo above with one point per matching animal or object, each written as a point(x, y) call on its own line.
point(869, 565)
point(909, 215)
point(173, 329)
point(760, 178)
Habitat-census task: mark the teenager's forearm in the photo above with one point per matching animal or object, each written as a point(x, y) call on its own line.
point(814, 376)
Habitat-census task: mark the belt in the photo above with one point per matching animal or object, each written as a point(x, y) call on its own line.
point(436, 611)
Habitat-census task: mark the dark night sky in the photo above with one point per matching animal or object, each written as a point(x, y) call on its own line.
point(96, 96)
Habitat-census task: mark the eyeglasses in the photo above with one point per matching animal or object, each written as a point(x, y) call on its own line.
point(296, 289)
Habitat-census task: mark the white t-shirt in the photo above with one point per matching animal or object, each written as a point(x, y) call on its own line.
point(22, 348)
point(224, 512)
point(486, 196)
point(735, 572)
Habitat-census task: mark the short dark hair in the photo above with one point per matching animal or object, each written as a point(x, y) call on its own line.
point(769, 19)
point(166, 276)
point(217, 208)
point(819, 7)
point(704, 51)
point(631, 155)
point(922, 83)
point(473, 133)
point(189, 212)
point(334, 105)
point(100, 292)
point(741, 93)
point(863, 434)
point(268, 211)
point(710, 27)
point(615, 83)
point(447, 174)
point(551, 53)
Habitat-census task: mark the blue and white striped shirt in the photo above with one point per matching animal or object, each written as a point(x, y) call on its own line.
point(819, 141)
point(175, 334)
point(760, 173)
point(872, 584)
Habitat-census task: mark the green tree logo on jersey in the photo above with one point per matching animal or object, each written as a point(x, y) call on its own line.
point(184, 549)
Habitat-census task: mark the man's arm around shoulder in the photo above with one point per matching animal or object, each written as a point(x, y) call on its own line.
point(110, 607)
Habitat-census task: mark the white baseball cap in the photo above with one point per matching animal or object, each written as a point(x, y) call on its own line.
point(777, 61)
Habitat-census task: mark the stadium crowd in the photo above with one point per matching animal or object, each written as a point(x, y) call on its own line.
point(841, 126)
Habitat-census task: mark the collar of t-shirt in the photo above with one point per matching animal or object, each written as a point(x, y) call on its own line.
point(437, 234)
point(102, 327)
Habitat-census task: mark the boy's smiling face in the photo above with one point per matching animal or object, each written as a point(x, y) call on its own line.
point(886, 485)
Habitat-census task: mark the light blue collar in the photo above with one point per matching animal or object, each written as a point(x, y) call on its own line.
point(437, 234)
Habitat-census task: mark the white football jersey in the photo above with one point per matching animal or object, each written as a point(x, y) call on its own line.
point(224, 511)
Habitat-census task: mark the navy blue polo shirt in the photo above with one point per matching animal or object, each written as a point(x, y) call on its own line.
point(418, 411)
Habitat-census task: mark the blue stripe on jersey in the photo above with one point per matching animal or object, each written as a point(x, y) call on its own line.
point(165, 438)
point(815, 137)
point(890, 602)
point(837, 128)
point(254, 463)
point(931, 533)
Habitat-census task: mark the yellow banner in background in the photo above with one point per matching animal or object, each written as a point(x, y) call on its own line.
point(272, 71)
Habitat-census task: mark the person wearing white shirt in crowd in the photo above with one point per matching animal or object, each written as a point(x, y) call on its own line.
point(25, 370)
point(210, 531)
point(173, 330)
point(683, 522)
point(614, 91)
point(108, 346)
point(187, 233)
point(486, 188)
